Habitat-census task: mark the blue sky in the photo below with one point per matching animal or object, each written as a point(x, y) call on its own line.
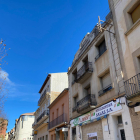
point(43, 36)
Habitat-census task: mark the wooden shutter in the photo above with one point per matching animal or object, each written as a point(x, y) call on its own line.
point(136, 14)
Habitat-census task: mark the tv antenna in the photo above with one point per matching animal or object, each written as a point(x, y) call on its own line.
point(100, 28)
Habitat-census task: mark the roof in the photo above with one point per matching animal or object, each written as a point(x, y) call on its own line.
point(59, 96)
point(29, 114)
point(46, 80)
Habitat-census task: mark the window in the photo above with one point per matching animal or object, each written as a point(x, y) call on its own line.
point(139, 63)
point(63, 109)
point(51, 137)
point(120, 119)
point(75, 100)
point(46, 137)
point(101, 49)
point(53, 116)
point(105, 83)
point(57, 112)
point(74, 76)
point(87, 90)
point(74, 133)
point(135, 14)
point(106, 80)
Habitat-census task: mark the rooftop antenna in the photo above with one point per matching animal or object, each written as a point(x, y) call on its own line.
point(100, 28)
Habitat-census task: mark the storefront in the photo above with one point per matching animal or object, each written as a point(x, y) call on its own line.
point(102, 122)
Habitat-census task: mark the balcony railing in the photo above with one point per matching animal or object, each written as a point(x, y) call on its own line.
point(104, 90)
point(43, 95)
point(132, 86)
point(86, 67)
point(86, 102)
point(33, 124)
point(57, 121)
point(45, 113)
point(74, 109)
point(100, 54)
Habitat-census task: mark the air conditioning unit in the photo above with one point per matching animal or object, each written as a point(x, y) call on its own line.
point(137, 109)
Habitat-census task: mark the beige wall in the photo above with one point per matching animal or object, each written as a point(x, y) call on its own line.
point(61, 101)
point(108, 61)
point(64, 100)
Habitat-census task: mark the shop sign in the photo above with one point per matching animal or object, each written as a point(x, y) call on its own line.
point(92, 136)
point(106, 109)
point(97, 113)
point(81, 119)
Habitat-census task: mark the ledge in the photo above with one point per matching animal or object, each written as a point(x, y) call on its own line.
point(133, 27)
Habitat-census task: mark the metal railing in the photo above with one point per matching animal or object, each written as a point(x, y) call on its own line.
point(45, 113)
point(100, 54)
point(74, 109)
point(62, 118)
point(34, 124)
point(43, 95)
point(104, 90)
point(86, 102)
point(132, 86)
point(86, 67)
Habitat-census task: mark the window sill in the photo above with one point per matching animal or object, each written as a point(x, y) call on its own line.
point(133, 27)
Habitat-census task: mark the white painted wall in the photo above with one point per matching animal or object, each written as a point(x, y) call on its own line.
point(59, 81)
point(113, 124)
point(25, 132)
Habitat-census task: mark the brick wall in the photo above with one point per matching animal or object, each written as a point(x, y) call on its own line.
point(135, 118)
point(91, 128)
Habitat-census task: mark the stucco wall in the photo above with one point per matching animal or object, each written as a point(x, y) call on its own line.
point(25, 131)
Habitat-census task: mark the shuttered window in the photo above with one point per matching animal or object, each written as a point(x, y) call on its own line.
point(136, 14)
point(102, 48)
point(106, 80)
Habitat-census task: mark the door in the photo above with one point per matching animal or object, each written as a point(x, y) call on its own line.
point(122, 134)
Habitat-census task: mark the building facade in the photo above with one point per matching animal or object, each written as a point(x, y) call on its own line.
point(97, 105)
point(51, 88)
point(3, 128)
point(23, 130)
point(126, 17)
point(59, 117)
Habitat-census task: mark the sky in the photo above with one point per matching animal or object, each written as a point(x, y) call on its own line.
point(44, 36)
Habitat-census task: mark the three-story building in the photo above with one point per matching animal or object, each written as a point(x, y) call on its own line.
point(96, 88)
point(126, 17)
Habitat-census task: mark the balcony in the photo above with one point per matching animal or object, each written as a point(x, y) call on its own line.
point(61, 119)
point(85, 103)
point(45, 113)
point(33, 124)
point(104, 90)
point(42, 97)
point(74, 109)
point(84, 72)
point(132, 87)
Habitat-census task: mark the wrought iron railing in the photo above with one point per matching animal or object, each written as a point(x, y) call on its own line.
point(62, 118)
point(132, 86)
point(104, 90)
point(100, 54)
point(43, 95)
point(86, 102)
point(33, 124)
point(74, 109)
point(45, 113)
point(86, 67)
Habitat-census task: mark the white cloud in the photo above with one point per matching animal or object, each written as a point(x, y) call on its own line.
point(16, 91)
